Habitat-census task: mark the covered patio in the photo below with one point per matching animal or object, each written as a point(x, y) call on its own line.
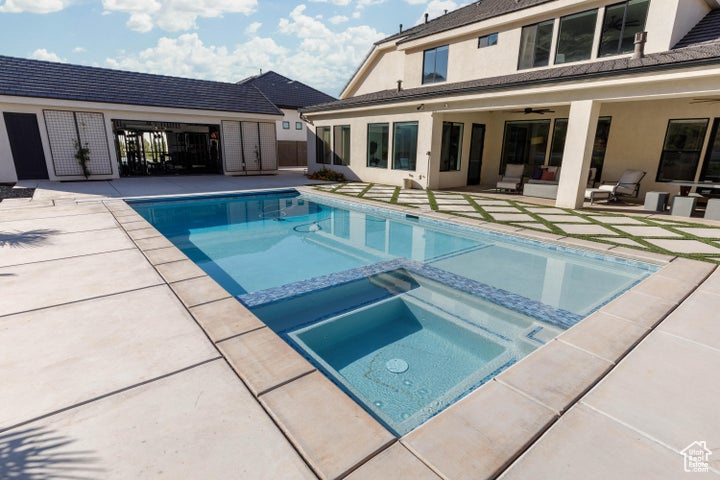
point(658, 114)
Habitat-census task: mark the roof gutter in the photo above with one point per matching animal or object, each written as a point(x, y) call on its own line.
point(511, 85)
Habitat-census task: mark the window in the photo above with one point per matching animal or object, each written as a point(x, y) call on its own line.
point(377, 145)
point(558, 142)
point(405, 136)
point(622, 21)
point(298, 125)
point(488, 40)
point(599, 147)
point(341, 145)
point(711, 167)
point(435, 64)
point(451, 146)
point(322, 145)
point(525, 142)
point(286, 125)
point(576, 35)
point(681, 151)
point(535, 42)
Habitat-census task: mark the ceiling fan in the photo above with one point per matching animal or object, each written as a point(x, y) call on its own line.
point(705, 100)
point(540, 111)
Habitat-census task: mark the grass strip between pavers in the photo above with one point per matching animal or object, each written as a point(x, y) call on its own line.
point(670, 226)
point(365, 190)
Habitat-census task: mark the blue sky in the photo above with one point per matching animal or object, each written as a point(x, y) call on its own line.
point(319, 42)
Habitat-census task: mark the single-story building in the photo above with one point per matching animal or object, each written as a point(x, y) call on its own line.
point(578, 84)
point(127, 123)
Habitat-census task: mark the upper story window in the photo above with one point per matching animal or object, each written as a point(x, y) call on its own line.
point(298, 125)
point(576, 35)
point(286, 125)
point(622, 21)
point(535, 43)
point(488, 40)
point(435, 64)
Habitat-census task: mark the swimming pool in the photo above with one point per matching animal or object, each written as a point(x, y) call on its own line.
point(405, 314)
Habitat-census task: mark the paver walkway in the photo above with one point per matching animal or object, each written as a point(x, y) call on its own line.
point(120, 359)
point(649, 232)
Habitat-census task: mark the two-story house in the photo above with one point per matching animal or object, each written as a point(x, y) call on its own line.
point(567, 83)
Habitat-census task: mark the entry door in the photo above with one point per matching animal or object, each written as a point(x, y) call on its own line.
point(26, 146)
point(477, 140)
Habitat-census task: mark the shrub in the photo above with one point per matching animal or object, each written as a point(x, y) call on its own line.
point(327, 174)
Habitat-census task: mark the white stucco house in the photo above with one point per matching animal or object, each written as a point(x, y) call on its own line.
point(289, 96)
point(452, 101)
point(131, 124)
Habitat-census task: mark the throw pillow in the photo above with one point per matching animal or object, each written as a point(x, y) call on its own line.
point(547, 175)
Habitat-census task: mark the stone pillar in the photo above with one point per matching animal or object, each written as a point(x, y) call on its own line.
point(582, 124)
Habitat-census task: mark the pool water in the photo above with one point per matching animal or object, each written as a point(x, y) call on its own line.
point(406, 315)
point(405, 346)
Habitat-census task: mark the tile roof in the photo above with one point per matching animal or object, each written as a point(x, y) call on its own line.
point(707, 30)
point(35, 78)
point(285, 92)
point(703, 53)
point(473, 13)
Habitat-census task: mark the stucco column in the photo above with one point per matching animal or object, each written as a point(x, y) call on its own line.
point(433, 165)
point(582, 124)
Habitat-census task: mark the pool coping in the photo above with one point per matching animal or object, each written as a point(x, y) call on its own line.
point(575, 361)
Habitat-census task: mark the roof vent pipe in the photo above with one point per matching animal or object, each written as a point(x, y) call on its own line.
point(426, 17)
point(640, 39)
point(401, 28)
point(445, 12)
point(399, 87)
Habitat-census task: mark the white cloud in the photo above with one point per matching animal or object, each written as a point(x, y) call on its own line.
point(366, 3)
point(337, 19)
point(33, 6)
point(140, 22)
point(188, 56)
point(341, 3)
point(361, 4)
point(436, 8)
point(320, 57)
point(43, 54)
point(175, 15)
point(253, 28)
point(79, 50)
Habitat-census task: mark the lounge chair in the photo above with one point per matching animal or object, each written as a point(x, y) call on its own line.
point(627, 186)
point(512, 180)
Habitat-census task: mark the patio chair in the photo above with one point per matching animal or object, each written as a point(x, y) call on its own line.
point(512, 180)
point(627, 186)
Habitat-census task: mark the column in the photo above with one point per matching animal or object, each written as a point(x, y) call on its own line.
point(582, 124)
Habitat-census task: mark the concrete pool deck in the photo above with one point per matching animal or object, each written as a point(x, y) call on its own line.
point(121, 359)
